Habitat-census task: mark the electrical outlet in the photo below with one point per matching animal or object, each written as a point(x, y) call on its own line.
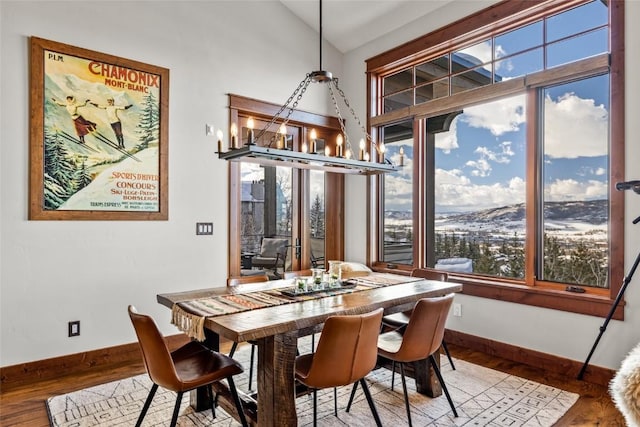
point(204, 228)
point(457, 310)
point(74, 328)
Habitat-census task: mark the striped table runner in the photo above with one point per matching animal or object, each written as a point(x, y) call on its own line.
point(189, 316)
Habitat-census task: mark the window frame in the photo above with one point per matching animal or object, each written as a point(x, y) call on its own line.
point(502, 17)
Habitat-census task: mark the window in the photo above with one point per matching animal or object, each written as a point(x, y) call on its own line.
point(511, 143)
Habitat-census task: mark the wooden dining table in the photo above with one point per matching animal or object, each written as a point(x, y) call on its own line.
point(276, 330)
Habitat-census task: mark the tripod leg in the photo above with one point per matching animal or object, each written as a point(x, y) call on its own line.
point(603, 328)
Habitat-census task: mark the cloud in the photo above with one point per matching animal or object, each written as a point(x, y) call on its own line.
point(575, 127)
point(570, 189)
point(499, 117)
point(456, 192)
point(447, 141)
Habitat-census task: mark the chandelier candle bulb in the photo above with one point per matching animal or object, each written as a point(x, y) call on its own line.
point(219, 134)
point(339, 141)
point(366, 157)
point(234, 135)
point(381, 149)
point(250, 131)
point(313, 136)
point(361, 156)
point(283, 132)
point(401, 161)
point(327, 151)
point(304, 147)
point(348, 154)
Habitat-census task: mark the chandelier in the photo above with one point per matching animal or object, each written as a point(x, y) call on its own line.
point(276, 153)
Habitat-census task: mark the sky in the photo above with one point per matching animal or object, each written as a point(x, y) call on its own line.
point(480, 162)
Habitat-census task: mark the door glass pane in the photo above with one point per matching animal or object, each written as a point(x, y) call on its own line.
point(398, 194)
point(575, 177)
point(317, 218)
point(266, 211)
point(479, 196)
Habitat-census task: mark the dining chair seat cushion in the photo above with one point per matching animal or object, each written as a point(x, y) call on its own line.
point(197, 365)
point(397, 320)
point(389, 343)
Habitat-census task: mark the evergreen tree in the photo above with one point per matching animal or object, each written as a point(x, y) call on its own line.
point(149, 125)
point(316, 218)
point(554, 259)
point(59, 172)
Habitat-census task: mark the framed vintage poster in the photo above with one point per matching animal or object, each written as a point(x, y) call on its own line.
point(98, 136)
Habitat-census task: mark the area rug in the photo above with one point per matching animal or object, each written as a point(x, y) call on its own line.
point(482, 396)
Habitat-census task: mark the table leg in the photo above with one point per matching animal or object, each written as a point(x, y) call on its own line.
point(426, 380)
point(199, 398)
point(276, 382)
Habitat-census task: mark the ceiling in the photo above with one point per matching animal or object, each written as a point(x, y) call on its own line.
point(349, 24)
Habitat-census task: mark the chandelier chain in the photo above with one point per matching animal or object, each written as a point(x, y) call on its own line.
point(353, 113)
point(299, 91)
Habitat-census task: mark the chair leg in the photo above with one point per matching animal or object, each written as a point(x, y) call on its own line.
point(315, 407)
point(313, 343)
point(236, 400)
point(444, 386)
point(446, 351)
point(253, 352)
point(176, 410)
point(393, 373)
point(372, 405)
point(406, 395)
point(147, 403)
point(353, 394)
point(335, 401)
point(233, 349)
point(212, 401)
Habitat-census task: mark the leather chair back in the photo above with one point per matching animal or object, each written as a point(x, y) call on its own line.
point(347, 350)
point(425, 331)
point(430, 274)
point(255, 278)
point(156, 355)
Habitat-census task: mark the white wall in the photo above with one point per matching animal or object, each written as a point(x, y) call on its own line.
point(549, 331)
point(52, 272)
point(57, 271)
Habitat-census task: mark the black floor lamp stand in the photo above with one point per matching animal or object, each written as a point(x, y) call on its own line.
point(635, 186)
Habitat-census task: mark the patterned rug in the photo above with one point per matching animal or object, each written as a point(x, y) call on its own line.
point(483, 397)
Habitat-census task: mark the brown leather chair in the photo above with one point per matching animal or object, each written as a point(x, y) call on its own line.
point(346, 353)
point(254, 278)
point(191, 366)
point(399, 321)
point(239, 280)
point(421, 339)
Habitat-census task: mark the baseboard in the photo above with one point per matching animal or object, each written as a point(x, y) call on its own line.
point(23, 374)
point(32, 372)
point(548, 362)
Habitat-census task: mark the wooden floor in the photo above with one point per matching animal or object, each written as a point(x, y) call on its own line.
point(25, 406)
